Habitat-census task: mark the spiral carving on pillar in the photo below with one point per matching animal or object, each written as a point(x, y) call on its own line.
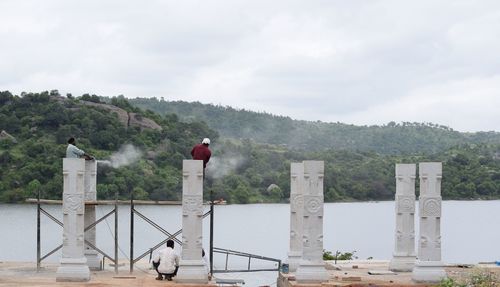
point(406, 204)
point(313, 205)
point(297, 201)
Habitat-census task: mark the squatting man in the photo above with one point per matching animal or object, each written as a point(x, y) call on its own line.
point(166, 262)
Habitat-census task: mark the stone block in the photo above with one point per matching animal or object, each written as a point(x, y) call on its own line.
point(404, 256)
point(312, 267)
point(73, 266)
point(296, 215)
point(429, 268)
point(192, 267)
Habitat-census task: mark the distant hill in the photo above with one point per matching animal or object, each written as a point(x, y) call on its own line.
point(392, 139)
point(149, 149)
point(36, 126)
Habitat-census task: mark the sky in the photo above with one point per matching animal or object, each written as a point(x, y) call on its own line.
point(362, 62)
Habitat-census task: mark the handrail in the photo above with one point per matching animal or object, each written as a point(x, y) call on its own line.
point(173, 236)
point(250, 256)
point(40, 210)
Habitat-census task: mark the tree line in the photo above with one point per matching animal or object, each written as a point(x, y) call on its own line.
point(391, 139)
point(242, 170)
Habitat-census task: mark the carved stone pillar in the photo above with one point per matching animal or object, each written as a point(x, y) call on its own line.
point(404, 248)
point(191, 267)
point(312, 267)
point(429, 267)
point(90, 182)
point(73, 262)
point(296, 215)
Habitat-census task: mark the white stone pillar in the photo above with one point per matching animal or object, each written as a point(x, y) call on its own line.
point(312, 267)
point(90, 182)
point(191, 267)
point(429, 267)
point(404, 248)
point(73, 263)
point(296, 214)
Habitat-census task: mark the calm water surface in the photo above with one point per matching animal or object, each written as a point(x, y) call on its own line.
point(470, 230)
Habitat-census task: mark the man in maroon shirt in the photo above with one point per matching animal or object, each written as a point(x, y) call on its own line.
point(202, 152)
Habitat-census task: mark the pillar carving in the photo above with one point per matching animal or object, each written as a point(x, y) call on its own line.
point(404, 248)
point(429, 267)
point(312, 267)
point(296, 215)
point(90, 182)
point(73, 262)
point(191, 267)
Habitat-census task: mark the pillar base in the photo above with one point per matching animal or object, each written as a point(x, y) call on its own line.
point(294, 259)
point(309, 272)
point(428, 271)
point(192, 271)
point(73, 270)
point(402, 263)
point(93, 260)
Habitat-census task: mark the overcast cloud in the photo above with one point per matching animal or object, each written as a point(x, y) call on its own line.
point(361, 62)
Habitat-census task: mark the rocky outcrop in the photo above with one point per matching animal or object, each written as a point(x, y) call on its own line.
point(126, 118)
point(6, 136)
point(142, 122)
point(121, 113)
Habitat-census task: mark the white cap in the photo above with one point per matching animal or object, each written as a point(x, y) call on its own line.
point(205, 141)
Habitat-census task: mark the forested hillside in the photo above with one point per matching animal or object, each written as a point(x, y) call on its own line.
point(37, 125)
point(41, 123)
point(392, 139)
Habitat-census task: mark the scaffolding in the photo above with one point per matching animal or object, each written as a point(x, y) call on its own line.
point(40, 210)
point(134, 212)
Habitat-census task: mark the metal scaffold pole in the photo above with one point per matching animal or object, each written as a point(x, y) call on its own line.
point(116, 233)
point(38, 247)
point(131, 232)
point(211, 233)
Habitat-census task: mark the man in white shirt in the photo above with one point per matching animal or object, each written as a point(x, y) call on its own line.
point(73, 152)
point(205, 263)
point(166, 262)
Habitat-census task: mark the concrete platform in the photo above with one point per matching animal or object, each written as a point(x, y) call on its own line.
point(25, 274)
point(347, 273)
point(356, 273)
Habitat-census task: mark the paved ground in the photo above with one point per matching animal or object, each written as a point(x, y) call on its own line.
point(24, 274)
point(355, 273)
point(351, 273)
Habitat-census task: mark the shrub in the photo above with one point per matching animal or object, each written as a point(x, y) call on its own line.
point(327, 255)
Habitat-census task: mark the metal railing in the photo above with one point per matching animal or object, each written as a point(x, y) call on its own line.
point(40, 258)
point(173, 236)
point(229, 252)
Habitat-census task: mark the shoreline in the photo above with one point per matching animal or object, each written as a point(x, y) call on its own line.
point(32, 201)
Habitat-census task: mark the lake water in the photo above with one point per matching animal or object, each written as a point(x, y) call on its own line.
point(470, 230)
